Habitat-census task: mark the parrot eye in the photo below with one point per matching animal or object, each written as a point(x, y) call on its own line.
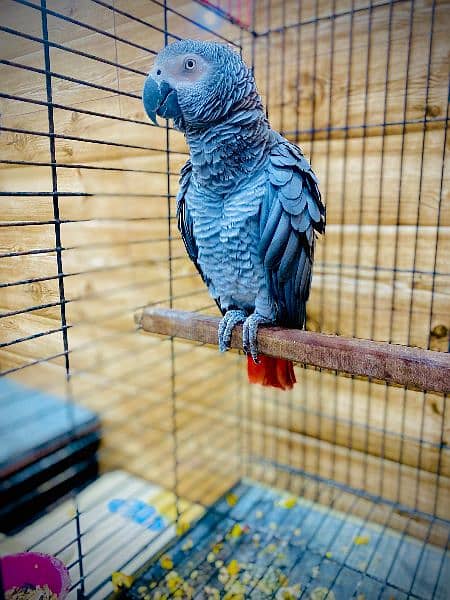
point(189, 64)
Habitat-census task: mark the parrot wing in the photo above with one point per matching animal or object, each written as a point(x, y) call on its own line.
point(291, 213)
point(185, 223)
point(183, 217)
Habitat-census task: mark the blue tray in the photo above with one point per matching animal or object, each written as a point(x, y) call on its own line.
point(33, 424)
point(268, 545)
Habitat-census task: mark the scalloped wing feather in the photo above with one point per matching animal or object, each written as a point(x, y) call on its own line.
point(291, 214)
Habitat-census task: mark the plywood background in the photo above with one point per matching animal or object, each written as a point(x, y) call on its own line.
point(354, 91)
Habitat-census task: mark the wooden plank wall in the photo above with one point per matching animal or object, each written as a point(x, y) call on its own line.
point(116, 248)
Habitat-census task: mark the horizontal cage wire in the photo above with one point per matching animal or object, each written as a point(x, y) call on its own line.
point(136, 460)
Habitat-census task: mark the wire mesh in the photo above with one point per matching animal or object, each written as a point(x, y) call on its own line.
point(87, 217)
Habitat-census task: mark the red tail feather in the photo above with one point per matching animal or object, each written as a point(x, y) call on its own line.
point(273, 372)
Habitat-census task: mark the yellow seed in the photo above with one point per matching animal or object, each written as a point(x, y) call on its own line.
point(328, 554)
point(166, 562)
point(188, 544)
point(121, 580)
point(233, 568)
point(217, 547)
point(235, 590)
point(213, 593)
point(264, 587)
point(297, 531)
point(361, 540)
point(172, 584)
point(315, 571)
point(182, 527)
point(289, 502)
point(289, 593)
point(320, 593)
point(231, 499)
point(173, 576)
point(236, 531)
point(223, 577)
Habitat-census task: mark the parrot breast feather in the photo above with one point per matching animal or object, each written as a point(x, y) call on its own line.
point(185, 223)
point(291, 212)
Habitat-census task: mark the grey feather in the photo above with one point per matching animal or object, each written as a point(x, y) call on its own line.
point(289, 256)
point(288, 253)
point(313, 209)
point(293, 189)
point(282, 161)
point(302, 221)
point(278, 242)
point(300, 268)
point(270, 227)
point(306, 279)
point(279, 176)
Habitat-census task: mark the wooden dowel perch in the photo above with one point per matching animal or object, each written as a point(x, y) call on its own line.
point(411, 367)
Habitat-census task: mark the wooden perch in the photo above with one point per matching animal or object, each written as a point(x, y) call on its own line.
point(411, 367)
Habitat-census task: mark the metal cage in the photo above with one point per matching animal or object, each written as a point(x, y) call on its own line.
point(146, 463)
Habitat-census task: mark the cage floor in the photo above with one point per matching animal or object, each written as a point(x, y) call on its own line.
point(257, 542)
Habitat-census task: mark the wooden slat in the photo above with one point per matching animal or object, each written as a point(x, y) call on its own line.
point(398, 483)
point(368, 194)
point(300, 84)
point(411, 367)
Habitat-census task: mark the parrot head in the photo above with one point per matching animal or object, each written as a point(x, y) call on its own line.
point(196, 83)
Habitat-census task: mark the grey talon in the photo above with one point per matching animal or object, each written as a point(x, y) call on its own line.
point(250, 334)
point(226, 326)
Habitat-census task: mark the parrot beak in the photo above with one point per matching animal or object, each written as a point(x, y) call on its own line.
point(160, 99)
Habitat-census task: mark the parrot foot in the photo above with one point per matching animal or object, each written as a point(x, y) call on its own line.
point(250, 333)
point(226, 326)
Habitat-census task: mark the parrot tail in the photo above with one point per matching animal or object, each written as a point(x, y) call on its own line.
point(273, 372)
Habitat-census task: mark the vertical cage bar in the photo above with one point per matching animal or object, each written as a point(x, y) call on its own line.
point(58, 248)
point(377, 257)
point(173, 392)
point(322, 297)
point(419, 198)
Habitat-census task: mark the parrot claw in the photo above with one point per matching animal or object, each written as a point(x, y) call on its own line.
point(250, 334)
point(226, 326)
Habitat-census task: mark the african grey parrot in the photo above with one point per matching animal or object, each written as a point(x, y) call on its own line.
point(248, 206)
